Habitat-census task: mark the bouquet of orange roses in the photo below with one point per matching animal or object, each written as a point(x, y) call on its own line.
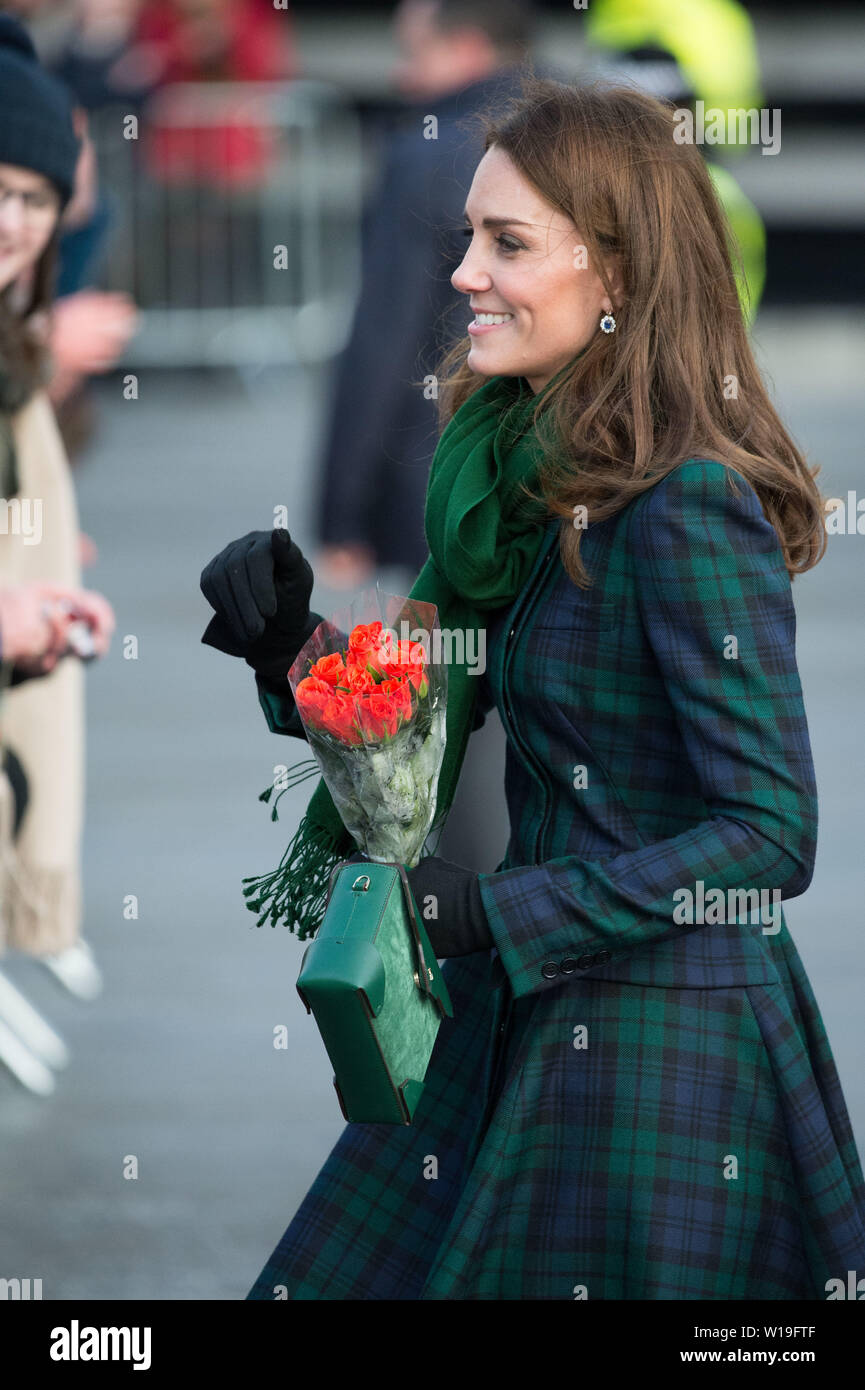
point(372, 701)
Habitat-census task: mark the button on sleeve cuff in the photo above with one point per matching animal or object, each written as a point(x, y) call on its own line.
point(544, 935)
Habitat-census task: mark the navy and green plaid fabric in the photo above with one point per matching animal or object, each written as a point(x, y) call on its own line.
point(622, 1107)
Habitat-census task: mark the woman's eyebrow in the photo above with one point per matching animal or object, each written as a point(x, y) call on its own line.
point(499, 221)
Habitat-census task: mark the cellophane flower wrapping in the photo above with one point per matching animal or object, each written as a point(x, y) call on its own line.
point(371, 688)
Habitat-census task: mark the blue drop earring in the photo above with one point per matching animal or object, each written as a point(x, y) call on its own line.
point(608, 324)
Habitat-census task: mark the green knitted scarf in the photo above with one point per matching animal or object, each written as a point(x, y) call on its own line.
point(483, 535)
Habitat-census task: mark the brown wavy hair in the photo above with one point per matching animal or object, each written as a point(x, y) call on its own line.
point(641, 400)
point(25, 363)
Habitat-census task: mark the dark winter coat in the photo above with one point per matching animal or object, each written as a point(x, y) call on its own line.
point(625, 1105)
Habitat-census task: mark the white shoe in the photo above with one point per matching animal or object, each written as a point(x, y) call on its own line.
point(30, 1028)
point(27, 1068)
point(76, 970)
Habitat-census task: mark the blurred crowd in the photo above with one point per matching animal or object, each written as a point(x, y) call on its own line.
point(61, 62)
point(118, 54)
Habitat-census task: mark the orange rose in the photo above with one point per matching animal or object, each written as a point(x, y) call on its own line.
point(310, 696)
point(361, 680)
point(377, 661)
point(399, 691)
point(312, 685)
point(340, 719)
point(412, 669)
point(364, 636)
point(329, 668)
point(326, 708)
point(377, 716)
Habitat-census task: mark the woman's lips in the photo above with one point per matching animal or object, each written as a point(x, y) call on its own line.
point(477, 328)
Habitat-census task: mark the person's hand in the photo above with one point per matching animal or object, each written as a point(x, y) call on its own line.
point(259, 587)
point(32, 633)
point(88, 606)
point(35, 620)
point(88, 332)
point(460, 925)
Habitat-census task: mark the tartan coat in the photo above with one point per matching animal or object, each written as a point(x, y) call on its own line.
point(625, 1105)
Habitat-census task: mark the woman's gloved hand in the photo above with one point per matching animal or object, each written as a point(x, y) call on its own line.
point(259, 587)
point(461, 925)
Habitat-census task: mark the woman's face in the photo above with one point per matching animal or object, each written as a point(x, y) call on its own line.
point(526, 261)
point(29, 205)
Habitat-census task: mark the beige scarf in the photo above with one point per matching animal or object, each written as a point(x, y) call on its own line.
point(42, 720)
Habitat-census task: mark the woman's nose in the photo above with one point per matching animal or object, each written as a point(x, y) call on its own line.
point(469, 276)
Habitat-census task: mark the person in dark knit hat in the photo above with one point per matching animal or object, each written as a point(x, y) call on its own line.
point(41, 721)
point(36, 129)
point(38, 157)
point(40, 129)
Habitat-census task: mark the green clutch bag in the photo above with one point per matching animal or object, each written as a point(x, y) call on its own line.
point(374, 986)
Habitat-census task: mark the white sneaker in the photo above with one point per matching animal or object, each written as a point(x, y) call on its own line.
point(27, 1068)
point(76, 970)
point(27, 1041)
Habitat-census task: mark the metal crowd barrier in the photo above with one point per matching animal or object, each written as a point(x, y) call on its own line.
point(234, 222)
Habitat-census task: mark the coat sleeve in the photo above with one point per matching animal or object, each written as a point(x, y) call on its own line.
point(279, 709)
point(709, 568)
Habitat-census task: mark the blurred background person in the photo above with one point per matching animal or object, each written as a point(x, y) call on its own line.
point(712, 59)
point(38, 623)
point(454, 57)
point(36, 619)
point(41, 722)
point(80, 41)
point(210, 41)
point(216, 41)
point(93, 55)
point(90, 327)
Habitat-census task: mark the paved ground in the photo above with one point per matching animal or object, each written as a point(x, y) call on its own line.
point(175, 1063)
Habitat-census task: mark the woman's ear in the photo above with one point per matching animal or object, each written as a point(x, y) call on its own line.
point(615, 276)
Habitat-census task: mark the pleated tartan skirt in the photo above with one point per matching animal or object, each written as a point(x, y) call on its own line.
point(698, 1148)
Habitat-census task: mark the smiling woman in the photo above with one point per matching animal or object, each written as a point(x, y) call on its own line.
point(38, 156)
point(534, 297)
point(630, 1102)
point(42, 720)
point(598, 244)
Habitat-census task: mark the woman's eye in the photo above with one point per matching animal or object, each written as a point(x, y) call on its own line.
point(505, 242)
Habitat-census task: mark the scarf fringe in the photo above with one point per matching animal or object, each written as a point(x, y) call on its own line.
point(295, 893)
point(300, 772)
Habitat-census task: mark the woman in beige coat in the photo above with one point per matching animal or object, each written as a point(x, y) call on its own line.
point(42, 721)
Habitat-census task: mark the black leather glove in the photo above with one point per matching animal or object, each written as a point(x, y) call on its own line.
point(462, 926)
point(259, 587)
